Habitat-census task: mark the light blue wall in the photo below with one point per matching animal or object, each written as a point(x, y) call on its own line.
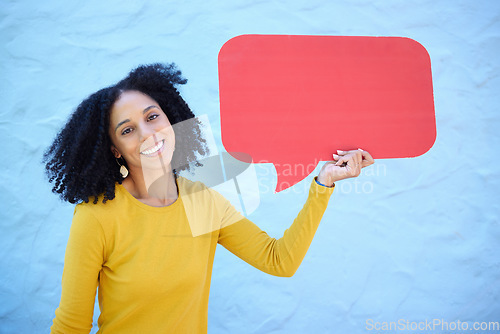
point(422, 245)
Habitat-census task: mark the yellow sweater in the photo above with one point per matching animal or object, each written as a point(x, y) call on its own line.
point(153, 271)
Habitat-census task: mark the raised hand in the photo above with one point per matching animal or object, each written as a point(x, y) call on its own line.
point(345, 164)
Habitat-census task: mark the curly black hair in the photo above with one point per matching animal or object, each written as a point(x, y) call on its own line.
point(80, 163)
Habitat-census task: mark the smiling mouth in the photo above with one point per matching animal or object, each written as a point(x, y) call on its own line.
point(154, 149)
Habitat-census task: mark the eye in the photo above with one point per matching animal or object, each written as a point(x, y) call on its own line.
point(126, 131)
point(152, 117)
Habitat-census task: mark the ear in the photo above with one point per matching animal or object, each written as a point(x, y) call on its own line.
point(115, 151)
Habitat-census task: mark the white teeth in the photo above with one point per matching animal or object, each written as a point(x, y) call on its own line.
point(154, 149)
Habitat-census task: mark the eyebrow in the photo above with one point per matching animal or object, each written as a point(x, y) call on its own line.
point(127, 120)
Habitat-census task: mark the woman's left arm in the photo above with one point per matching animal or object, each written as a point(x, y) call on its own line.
point(282, 257)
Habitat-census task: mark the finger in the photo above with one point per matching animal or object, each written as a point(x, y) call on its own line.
point(356, 164)
point(336, 159)
point(367, 158)
point(341, 160)
point(353, 169)
point(345, 158)
point(340, 152)
point(350, 165)
point(355, 155)
point(358, 157)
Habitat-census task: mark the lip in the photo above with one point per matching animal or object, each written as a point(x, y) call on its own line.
point(154, 150)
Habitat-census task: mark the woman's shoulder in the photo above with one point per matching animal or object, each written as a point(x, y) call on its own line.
point(100, 216)
point(187, 186)
point(98, 207)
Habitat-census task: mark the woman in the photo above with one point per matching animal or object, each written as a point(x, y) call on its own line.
point(133, 231)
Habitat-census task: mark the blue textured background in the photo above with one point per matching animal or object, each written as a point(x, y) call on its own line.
point(422, 242)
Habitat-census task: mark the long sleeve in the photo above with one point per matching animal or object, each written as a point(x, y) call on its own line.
point(280, 257)
point(82, 264)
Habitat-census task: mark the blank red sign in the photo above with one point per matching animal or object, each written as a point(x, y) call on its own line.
point(294, 100)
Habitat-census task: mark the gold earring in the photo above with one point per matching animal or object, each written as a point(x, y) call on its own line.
point(123, 169)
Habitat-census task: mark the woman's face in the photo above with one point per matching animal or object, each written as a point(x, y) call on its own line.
point(141, 132)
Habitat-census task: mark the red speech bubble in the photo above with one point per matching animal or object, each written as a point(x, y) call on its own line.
point(295, 100)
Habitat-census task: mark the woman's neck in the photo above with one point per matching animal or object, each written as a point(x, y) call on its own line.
point(152, 187)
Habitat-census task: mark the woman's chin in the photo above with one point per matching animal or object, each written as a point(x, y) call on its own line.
point(159, 162)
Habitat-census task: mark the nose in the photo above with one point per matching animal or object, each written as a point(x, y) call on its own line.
point(146, 131)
